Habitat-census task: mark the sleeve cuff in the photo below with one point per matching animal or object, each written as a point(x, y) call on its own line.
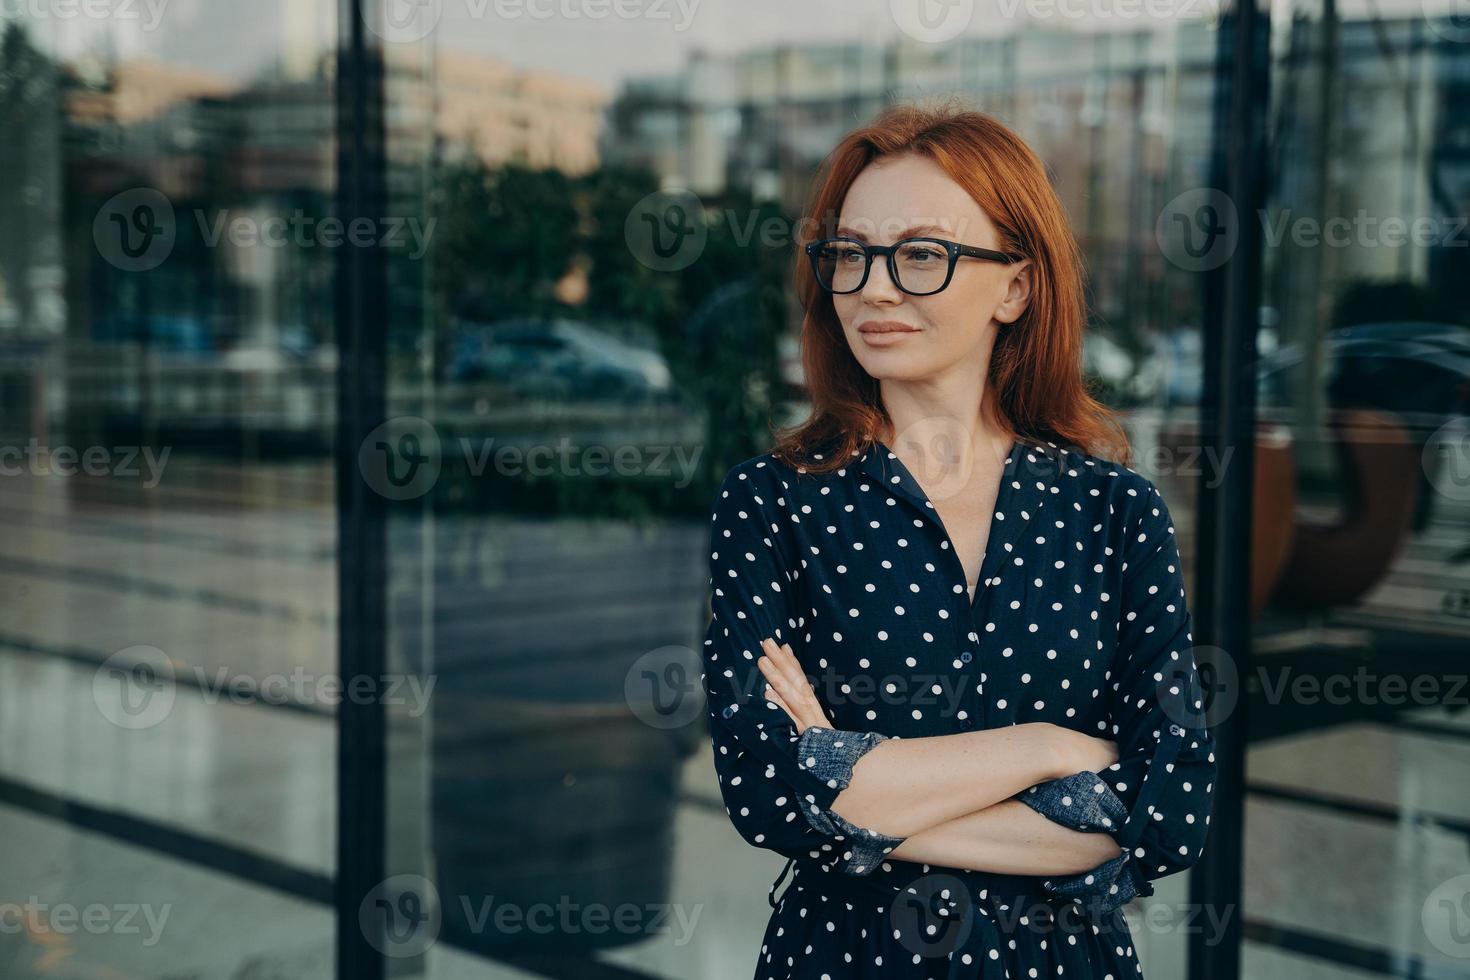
point(830, 755)
point(1105, 888)
point(1082, 801)
point(862, 850)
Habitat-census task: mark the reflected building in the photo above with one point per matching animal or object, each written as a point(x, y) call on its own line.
point(503, 114)
point(1122, 119)
point(1094, 105)
point(226, 323)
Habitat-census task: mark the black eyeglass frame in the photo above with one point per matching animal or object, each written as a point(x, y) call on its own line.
point(953, 249)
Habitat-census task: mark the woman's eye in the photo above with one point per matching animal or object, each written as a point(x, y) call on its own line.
point(921, 255)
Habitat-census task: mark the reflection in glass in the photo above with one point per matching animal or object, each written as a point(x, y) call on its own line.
point(1364, 387)
point(167, 325)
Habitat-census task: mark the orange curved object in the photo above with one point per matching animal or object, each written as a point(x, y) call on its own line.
point(1273, 512)
point(1332, 565)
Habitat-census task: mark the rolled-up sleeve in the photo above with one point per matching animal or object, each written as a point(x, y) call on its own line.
point(777, 787)
point(1156, 800)
point(1082, 801)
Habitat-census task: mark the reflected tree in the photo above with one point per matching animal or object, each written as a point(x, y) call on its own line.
point(28, 111)
point(509, 239)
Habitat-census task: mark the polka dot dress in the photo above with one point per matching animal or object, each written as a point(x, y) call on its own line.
point(1079, 619)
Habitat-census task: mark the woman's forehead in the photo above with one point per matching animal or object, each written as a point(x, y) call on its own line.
point(888, 202)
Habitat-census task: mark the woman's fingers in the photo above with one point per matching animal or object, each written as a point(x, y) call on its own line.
point(780, 685)
point(785, 666)
point(784, 672)
point(785, 661)
point(773, 666)
point(801, 717)
point(798, 720)
point(775, 699)
point(773, 675)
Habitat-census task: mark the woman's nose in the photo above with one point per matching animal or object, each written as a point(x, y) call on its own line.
point(880, 285)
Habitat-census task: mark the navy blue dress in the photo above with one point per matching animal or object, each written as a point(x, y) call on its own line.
point(1079, 620)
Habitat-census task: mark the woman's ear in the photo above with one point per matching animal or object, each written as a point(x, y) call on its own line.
point(1018, 294)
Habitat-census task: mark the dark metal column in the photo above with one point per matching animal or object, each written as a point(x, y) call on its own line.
point(1227, 426)
point(361, 326)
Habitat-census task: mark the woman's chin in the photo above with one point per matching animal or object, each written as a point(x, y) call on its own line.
point(893, 367)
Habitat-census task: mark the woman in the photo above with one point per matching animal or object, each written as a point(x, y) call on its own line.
point(949, 666)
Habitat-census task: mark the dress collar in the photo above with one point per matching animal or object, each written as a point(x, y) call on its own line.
point(1028, 484)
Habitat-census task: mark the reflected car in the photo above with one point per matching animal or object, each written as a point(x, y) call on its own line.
point(203, 384)
point(1418, 369)
point(555, 358)
point(180, 333)
point(1127, 376)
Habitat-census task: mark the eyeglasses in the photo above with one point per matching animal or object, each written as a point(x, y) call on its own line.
point(918, 266)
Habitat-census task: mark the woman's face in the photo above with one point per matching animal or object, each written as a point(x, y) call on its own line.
point(908, 195)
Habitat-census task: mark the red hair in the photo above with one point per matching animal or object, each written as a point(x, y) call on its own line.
point(1036, 386)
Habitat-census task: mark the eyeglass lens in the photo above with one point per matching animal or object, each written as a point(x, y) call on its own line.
point(921, 265)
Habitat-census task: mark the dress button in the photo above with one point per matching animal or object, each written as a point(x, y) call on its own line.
point(967, 656)
point(729, 710)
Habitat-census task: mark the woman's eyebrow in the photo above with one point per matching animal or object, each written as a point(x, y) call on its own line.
point(847, 232)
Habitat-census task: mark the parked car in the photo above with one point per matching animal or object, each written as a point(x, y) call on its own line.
point(554, 358)
point(1419, 370)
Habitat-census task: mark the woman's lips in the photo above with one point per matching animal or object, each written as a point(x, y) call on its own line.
point(885, 333)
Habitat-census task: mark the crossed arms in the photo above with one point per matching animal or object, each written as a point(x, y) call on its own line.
point(951, 797)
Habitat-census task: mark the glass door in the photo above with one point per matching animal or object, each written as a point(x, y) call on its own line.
point(601, 327)
point(1355, 862)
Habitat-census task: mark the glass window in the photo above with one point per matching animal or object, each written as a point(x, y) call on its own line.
point(1357, 723)
point(167, 729)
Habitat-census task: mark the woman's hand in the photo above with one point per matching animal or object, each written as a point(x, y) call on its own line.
point(788, 688)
